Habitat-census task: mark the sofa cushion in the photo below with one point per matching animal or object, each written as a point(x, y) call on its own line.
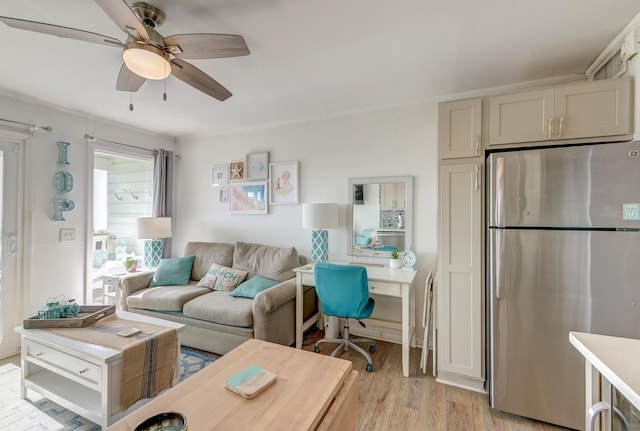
point(207, 253)
point(275, 263)
point(165, 298)
point(253, 286)
point(175, 271)
point(219, 307)
point(222, 278)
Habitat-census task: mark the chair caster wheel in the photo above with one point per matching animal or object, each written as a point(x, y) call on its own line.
point(369, 368)
point(372, 349)
point(316, 349)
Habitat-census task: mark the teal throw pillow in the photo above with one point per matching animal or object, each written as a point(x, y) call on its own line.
point(253, 286)
point(173, 272)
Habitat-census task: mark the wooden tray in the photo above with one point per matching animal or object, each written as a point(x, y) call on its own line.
point(87, 315)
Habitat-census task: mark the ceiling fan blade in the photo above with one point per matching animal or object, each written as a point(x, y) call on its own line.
point(60, 31)
point(120, 13)
point(128, 81)
point(206, 45)
point(198, 79)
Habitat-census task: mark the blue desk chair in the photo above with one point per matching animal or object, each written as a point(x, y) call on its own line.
point(344, 292)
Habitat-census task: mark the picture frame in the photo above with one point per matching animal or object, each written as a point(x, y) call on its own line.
point(257, 166)
point(224, 194)
point(248, 197)
point(284, 188)
point(220, 175)
point(236, 170)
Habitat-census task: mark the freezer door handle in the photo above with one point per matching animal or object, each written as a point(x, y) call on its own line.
point(499, 204)
point(498, 250)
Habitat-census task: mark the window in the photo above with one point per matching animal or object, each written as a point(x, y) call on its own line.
point(122, 192)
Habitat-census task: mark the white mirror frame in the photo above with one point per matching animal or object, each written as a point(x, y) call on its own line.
point(408, 180)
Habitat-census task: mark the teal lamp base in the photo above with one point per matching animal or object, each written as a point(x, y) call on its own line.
point(319, 245)
point(152, 252)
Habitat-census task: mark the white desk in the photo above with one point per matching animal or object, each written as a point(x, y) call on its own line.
point(382, 281)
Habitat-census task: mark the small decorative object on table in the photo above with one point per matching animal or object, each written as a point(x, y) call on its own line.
point(250, 381)
point(84, 316)
point(53, 309)
point(131, 263)
point(171, 421)
point(395, 261)
point(409, 259)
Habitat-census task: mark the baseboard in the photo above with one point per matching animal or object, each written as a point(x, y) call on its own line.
point(461, 382)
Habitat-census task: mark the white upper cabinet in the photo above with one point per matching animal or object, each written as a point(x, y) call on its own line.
point(460, 127)
point(589, 110)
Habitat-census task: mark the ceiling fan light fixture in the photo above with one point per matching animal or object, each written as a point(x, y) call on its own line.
point(146, 60)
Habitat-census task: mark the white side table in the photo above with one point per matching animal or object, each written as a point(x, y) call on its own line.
point(111, 287)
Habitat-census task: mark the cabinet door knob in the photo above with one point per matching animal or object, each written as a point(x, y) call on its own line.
point(39, 354)
point(83, 371)
point(550, 128)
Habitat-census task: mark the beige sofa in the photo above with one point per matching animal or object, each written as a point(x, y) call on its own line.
point(216, 321)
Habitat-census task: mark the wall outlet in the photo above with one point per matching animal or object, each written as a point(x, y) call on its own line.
point(67, 234)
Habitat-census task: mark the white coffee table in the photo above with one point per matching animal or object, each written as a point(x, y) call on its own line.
point(82, 377)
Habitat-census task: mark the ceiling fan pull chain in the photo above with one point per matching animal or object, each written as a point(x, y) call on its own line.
point(131, 101)
point(164, 95)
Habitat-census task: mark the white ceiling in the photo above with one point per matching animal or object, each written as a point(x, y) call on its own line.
point(309, 59)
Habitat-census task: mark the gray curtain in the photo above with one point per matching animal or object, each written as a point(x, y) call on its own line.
point(163, 191)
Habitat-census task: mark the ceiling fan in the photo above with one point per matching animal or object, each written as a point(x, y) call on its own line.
point(146, 53)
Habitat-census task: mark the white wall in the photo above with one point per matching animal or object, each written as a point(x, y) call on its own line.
point(394, 142)
point(54, 267)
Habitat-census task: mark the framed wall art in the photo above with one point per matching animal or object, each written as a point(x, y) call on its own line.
point(284, 183)
point(236, 171)
point(248, 198)
point(257, 166)
point(220, 175)
point(224, 194)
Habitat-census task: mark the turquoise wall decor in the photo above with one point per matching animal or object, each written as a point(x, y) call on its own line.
point(60, 206)
point(62, 183)
point(63, 148)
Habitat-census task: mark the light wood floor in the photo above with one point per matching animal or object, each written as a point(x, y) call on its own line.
point(388, 401)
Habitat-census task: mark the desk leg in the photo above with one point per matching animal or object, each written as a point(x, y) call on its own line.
point(299, 303)
point(405, 329)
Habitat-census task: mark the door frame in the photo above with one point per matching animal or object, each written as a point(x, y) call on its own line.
point(16, 139)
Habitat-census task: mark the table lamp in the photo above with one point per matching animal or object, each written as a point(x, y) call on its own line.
point(153, 229)
point(319, 217)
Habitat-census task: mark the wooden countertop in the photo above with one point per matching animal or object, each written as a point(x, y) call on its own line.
point(615, 358)
point(305, 387)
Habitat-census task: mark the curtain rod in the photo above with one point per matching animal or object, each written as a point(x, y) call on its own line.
point(32, 127)
point(90, 139)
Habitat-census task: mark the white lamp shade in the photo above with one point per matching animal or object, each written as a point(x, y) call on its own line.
point(319, 216)
point(153, 227)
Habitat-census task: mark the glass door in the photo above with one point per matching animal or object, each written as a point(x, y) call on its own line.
point(10, 303)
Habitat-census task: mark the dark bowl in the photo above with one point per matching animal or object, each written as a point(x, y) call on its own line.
point(170, 421)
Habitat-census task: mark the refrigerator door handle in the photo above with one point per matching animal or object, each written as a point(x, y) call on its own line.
point(499, 267)
point(499, 208)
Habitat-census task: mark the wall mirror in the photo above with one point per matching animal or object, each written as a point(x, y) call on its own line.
point(379, 215)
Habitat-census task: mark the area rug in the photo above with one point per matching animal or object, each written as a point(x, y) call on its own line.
point(39, 414)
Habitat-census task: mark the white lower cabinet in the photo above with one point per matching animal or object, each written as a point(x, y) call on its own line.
point(460, 317)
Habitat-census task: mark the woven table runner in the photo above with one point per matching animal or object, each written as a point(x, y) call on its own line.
point(149, 357)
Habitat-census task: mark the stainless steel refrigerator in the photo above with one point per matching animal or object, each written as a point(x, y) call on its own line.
point(563, 254)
